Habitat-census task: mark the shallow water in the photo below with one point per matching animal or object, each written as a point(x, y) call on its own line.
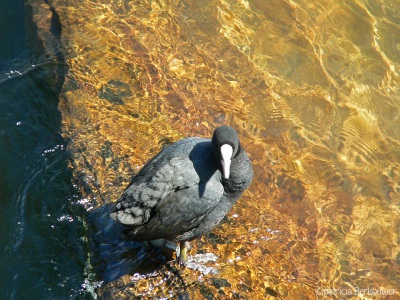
point(313, 89)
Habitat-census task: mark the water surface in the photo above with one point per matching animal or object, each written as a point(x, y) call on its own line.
point(42, 255)
point(313, 89)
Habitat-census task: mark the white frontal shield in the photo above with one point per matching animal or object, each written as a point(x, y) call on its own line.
point(226, 154)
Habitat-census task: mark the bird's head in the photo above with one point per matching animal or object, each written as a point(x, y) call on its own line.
point(225, 144)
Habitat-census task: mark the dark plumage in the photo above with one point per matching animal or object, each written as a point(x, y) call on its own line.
point(186, 189)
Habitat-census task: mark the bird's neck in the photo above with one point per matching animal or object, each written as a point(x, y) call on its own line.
point(238, 179)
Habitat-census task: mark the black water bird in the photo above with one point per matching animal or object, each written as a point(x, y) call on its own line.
point(185, 190)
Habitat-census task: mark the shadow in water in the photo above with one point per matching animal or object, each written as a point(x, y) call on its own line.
point(116, 257)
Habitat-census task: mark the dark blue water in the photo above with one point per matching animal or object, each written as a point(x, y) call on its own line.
point(44, 252)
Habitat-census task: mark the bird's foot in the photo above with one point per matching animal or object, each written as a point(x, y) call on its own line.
point(183, 256)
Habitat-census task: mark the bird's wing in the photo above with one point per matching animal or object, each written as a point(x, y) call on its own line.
point(183, 210)
point(157, 190)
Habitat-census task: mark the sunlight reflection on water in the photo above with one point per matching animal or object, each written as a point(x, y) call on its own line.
point(313, 89)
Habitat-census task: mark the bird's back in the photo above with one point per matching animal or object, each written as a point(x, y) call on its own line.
point(173, 192)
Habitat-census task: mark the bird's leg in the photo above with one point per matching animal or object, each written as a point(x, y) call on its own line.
point(183, 257)
point(162, 243)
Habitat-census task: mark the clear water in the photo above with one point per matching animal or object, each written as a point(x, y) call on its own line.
point(312, 87)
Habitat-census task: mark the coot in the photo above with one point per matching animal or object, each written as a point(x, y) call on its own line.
point(185, 190)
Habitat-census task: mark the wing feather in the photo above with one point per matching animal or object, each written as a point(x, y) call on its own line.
point(171, 195)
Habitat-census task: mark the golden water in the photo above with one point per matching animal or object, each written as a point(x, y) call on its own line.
point(313, 89)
